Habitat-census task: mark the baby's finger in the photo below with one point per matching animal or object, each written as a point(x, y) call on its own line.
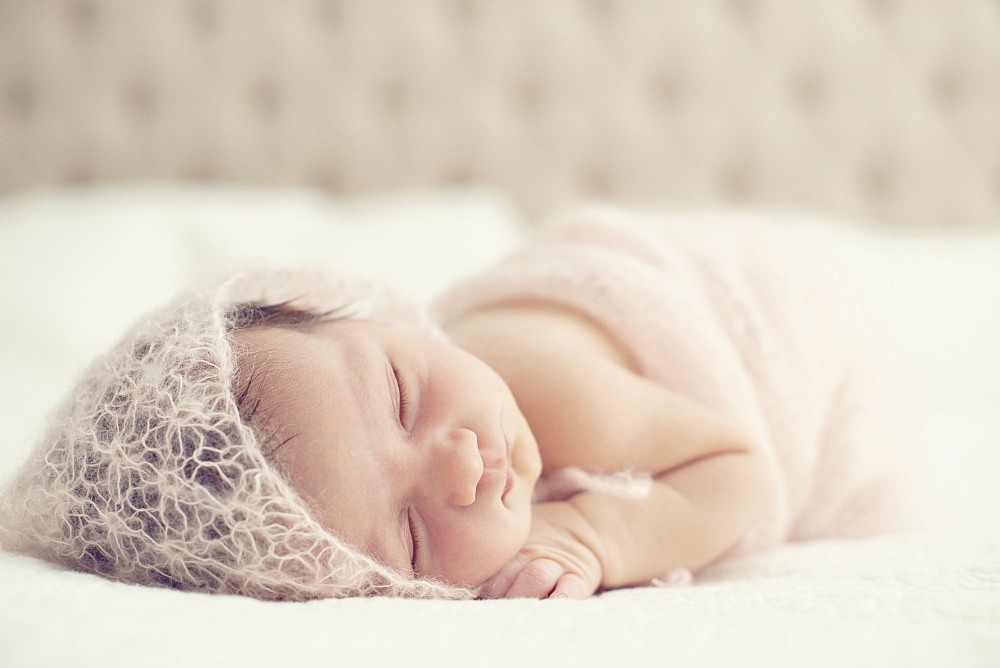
point(536, 580)
point(571, 585)
point(498, 584)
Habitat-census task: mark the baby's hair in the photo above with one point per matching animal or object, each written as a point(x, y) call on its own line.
point(249, 315)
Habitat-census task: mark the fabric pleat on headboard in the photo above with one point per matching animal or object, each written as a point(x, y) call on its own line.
point(888, 110)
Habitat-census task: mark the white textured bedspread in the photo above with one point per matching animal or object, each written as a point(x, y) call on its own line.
point(924, 599)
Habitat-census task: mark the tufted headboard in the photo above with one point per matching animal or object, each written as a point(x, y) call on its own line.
point(888, 110)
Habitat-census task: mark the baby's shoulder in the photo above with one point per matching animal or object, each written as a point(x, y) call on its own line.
point(571, 380)
point(525, 337)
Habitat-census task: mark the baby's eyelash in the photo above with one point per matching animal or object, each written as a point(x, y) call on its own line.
point(415, 537)
point(403, 401)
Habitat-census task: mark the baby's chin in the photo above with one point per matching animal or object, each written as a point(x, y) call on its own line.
point(483, 588)
point(489, 567)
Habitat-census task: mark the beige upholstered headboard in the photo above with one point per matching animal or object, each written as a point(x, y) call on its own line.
point(888, 110)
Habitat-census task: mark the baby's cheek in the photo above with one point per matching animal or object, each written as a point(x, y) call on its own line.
point(478, 550)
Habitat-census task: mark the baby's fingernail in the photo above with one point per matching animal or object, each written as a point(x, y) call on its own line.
point(560, 595)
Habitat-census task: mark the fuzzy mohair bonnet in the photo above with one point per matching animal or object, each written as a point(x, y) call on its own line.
point(147, 474)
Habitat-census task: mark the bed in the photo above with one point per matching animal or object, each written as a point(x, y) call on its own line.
point(78, 264)
point(147, 146)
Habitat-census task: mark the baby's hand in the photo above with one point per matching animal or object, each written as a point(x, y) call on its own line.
point(555, 562)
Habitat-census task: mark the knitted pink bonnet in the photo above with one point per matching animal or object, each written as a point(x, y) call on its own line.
point(147, 474)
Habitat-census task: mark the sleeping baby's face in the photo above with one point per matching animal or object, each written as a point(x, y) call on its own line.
point(410, 449)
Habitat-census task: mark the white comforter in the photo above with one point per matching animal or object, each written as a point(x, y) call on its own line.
point(76, 267)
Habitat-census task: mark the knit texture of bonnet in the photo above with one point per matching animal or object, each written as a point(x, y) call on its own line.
point(148, 475)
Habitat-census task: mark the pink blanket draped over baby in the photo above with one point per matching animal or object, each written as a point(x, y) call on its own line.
point(749, 323)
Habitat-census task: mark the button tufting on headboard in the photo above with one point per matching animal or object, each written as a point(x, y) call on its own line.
point(881, 109)
point(264, 100)
point(19, 100)
point(877, 180)
point(139, 97)
point(204, 18)
point(84, 16)
point(807, 87)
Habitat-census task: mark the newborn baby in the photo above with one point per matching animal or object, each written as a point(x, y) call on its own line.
point(619, 400)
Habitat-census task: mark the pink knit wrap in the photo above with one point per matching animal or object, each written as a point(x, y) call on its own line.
point(148, 475)
point(750, 323)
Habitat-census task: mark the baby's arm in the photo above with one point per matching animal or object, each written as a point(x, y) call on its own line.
point(692, 515)
point(588, 409)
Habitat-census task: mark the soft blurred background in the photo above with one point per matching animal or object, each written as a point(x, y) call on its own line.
point(883, 110)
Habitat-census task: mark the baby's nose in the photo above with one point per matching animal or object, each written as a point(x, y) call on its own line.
point(460, 466)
